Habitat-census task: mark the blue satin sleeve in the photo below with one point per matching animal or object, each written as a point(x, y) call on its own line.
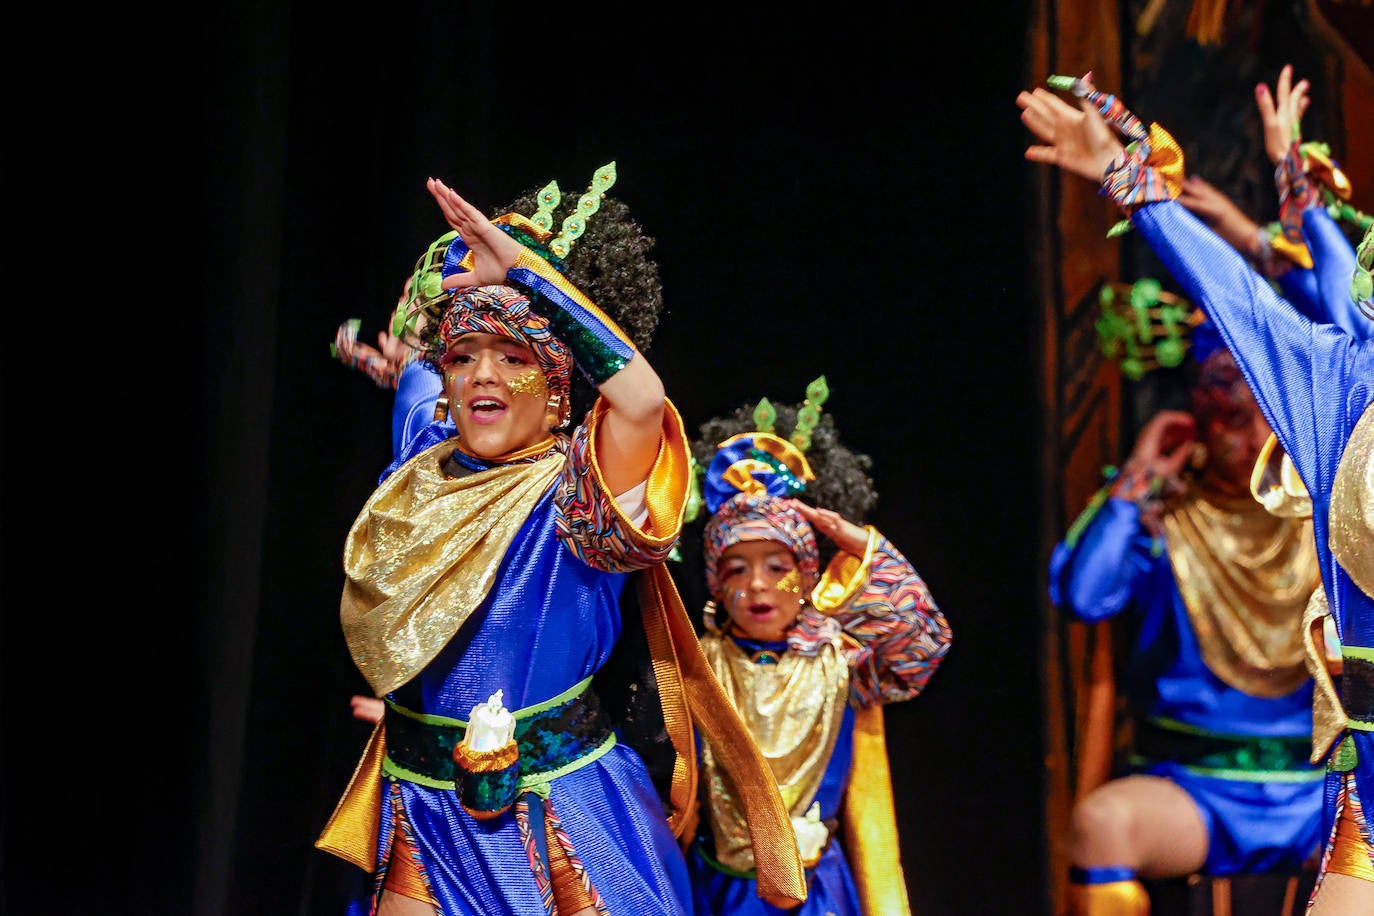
point(1098, 576)
point(1333, 259)
point(1299, 286)
point(417, 390)
point(1307, 377)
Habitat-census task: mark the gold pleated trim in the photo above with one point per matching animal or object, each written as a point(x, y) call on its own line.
point(668, 484)
point(1245, 577)
point(1166, 158)
point(351, 831)
point(869, 823)
point(1351, 851)
point(1351, 523)
point(1328, 716)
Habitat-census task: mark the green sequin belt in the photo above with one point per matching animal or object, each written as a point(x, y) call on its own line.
point(1267, 759)
point(554, 738)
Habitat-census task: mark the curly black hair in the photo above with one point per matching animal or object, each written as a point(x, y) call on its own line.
point(610, 262)
point(842, 479)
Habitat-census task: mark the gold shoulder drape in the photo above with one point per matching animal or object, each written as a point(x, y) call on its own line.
point(1245, 576)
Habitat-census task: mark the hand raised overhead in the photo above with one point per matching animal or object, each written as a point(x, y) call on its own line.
point(493, 251)
point(1077, 140)
point(1281, 112)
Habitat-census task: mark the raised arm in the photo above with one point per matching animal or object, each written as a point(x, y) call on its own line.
point(1301, 372)
point(1302, 211)
point(628, 434)
point(898, 636)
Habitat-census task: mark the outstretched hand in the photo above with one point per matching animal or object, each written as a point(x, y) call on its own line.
point(493, 252)
point(1077, 140)
point(849, 537)
point(1281, 112)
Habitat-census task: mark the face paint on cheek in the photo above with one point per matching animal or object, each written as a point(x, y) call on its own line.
point(791, 581)
point(530, 382)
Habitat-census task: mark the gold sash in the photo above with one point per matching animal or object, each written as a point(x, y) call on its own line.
point(1245, 576)
point(869, 821)
point(687, 683)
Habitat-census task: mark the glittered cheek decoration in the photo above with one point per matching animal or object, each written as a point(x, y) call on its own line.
point(791, 581)
point(530, 382)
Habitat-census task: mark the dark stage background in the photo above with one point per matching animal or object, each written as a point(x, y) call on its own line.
point(840, 193)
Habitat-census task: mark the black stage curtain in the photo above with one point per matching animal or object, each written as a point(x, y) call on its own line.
point(840, 192)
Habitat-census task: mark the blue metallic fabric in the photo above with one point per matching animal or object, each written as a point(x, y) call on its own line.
point(830, 884)
point(1115, 568)
point(417, 391)
point(1313, 381)
point(1322, 293)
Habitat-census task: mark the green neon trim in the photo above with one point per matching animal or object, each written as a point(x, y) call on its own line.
point(537, 783)
point(1359, 725)
point(1085, 517)
point(1246, 775)
point(400, 772)
point(1363, 653)
point(560, 699)
point(1174, 725)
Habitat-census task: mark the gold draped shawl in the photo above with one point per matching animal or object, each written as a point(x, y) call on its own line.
point(423, 554)
point(1350, 527)
point(794, 710)
point(1245, 576)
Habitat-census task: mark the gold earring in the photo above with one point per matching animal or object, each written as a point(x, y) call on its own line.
point(555, 404)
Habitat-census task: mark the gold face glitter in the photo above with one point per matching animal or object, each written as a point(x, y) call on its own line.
point(531, 383)
point(791, 581)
